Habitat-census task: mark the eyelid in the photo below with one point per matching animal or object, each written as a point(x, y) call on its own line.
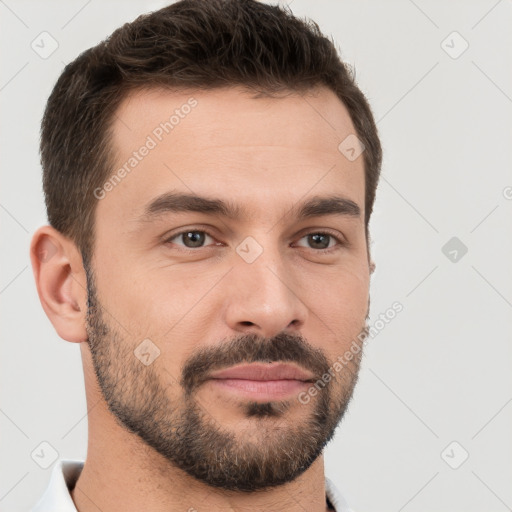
point(168, 237)
point(341, 241)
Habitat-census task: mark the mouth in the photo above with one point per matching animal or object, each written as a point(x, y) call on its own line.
point(262, 382)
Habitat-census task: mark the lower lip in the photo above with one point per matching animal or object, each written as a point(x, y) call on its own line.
point(261, 389)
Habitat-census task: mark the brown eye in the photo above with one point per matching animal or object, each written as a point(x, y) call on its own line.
point(321, 241)
point(190, 239)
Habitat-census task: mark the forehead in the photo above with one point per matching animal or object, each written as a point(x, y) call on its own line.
point(228, 116)
point(226, 143)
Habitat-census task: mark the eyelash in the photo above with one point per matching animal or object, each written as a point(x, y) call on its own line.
point(340, 243)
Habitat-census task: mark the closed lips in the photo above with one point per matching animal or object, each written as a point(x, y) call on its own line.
point(264, 372)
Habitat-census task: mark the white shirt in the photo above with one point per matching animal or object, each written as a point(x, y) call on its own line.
point(65, 473)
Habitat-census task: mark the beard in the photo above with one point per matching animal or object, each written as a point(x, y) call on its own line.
point(271, 452)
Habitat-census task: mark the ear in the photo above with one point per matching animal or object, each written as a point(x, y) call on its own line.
point(61, 282)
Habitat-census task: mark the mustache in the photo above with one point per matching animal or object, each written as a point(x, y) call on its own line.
point(251, 348)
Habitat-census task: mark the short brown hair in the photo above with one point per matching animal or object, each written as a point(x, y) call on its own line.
point(191, 44)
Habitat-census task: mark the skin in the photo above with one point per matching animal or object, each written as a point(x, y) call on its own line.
point(267, 155)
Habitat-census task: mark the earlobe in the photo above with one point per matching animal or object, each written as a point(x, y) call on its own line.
point(60, 281)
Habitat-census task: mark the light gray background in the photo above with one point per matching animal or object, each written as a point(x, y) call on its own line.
point(440, 371)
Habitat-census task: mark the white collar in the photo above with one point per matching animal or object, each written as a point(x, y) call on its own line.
point(57, 497)
point(65, 473)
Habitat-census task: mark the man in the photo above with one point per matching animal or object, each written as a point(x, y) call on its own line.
point(209, 174)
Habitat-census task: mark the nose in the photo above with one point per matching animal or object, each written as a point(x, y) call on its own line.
point(264, 298)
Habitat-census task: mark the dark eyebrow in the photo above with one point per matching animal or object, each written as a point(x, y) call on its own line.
point(177, 202)
point(313, 207)
point(331, 205)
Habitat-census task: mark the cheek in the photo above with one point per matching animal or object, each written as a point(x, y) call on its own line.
point(345, 288)
point(342, 305)
point(354, 297)
point(128, 299)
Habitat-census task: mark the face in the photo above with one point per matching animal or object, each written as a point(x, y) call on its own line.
point(229, 275)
